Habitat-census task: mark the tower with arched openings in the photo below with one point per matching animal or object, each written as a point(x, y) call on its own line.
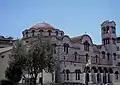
point(81, 62)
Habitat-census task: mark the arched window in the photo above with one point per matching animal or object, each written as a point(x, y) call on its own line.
point(41, 31)
point(26, 34)
point(103, 41)
point(107, 29)
point(94, 69)
point(77, 71)
point(104, 30)
point(66, 46)
point(105, 70)
point(49, 32)
point(87, 69)
point(86, 46)
point(108, 56)
point(75, 55)
point(114, 40)
point(64, 74)
point(87, 78)
point(56, 33)
point(67, 74)
point(54, 48)
point(114, 54)
point(87, 57)
point(103, 54)
point(61, 33)
point(99, 74)
point(110, 70)
point(113, 29)
point(33, 32)
point(117, 75)
point(106, 41)
point(100, 69)
point(96, 59)
point(104, 75)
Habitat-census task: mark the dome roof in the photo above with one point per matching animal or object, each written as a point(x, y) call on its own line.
point(42, 26)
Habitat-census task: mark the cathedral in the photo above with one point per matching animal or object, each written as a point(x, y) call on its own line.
point(80, 61)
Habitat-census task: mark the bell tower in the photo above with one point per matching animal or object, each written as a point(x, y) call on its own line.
point(108, 33)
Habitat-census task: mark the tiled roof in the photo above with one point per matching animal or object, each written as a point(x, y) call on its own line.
point(76, 39)
point(42, 26)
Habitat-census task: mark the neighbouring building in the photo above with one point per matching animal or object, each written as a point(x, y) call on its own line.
point(5, 48)
point(74, 54)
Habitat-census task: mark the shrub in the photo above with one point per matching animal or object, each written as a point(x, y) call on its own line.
point(6, 82)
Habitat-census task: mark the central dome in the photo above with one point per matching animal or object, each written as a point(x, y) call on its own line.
point(43, 26)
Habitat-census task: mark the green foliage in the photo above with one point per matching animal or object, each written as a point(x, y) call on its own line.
point(40, 56)
point(18, 55)
point(33, 58)
point(13, 73)
point(6, 82)
point(16, 63)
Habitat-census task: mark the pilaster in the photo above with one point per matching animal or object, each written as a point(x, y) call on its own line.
point(101, 77)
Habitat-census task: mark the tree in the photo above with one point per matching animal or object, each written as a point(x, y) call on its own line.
point(40, 57)
point(13, 73)
point(34, 57)
point(16, 63)
point(6, 82)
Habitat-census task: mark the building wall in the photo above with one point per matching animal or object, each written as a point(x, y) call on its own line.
point(4, 57)
point(72, 53)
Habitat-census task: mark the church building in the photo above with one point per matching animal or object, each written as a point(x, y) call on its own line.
point(80, 61)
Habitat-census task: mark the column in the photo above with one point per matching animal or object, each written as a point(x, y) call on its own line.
point(90, 78)
point(87, 78)
point(109, 78)
point(112, 78)
point(96, 78)
point(83, 78)
point(101, 77)
point(106, 77)
point(93, 76)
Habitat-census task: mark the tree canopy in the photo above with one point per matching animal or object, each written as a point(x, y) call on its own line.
point(13, 73)
point(33, 58)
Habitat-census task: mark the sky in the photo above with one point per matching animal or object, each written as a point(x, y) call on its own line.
point(74, 17)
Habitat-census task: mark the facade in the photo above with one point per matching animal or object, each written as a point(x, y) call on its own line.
point(80, 61)
point(5, 48)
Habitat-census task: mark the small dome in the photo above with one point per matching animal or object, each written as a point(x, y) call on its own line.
point(42, 26)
